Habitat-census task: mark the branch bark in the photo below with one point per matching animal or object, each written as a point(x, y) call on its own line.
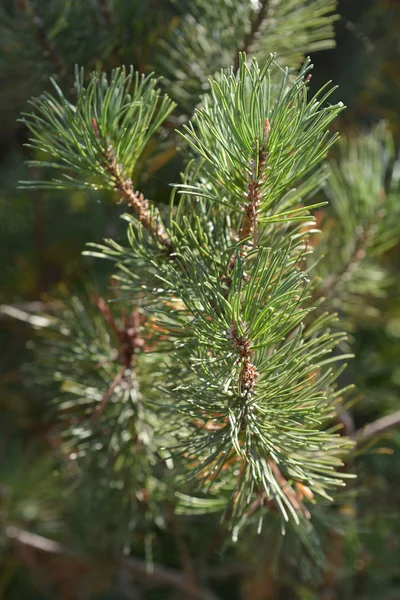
point(378, 427)
point(253, 199)
point(135, 200)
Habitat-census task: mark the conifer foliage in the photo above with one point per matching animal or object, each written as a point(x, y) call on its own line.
point(244, 376)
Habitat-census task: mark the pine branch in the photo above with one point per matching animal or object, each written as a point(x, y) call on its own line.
point(253, 199)
point(255, 28)
point(242, 386)
point(239, 319)
point(378, 427)
point(291, 29)
point(98, 140)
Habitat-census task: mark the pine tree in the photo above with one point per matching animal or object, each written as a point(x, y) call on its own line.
point(194, 384)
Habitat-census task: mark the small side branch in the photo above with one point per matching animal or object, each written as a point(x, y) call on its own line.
point(376, 428)
point(248, 374)
point(348, 268)
point(294, 494)
point(129, 336)
point(103, 403)
point(249, 223)
point(37, 542)
point(133, 199)
point(345, 418)
point(21, 312)
point(253, 199)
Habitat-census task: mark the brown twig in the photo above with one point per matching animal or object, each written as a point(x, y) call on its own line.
point(253, 199)
point(255, 28)
point(135, 200)
point(42, 38)
point(165, 576)
point(248, 373)
point(378, 427)
point(103, 402)
point(249, 223)
point(336, 537)
point(130, 342)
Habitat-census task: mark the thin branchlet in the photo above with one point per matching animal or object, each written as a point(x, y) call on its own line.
point(129, 335)
point(134, 199)
point(253, 198)
point(130, 340)
point(42, 37)
point(249, 223)
point(377, 428)
point(248, 373)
